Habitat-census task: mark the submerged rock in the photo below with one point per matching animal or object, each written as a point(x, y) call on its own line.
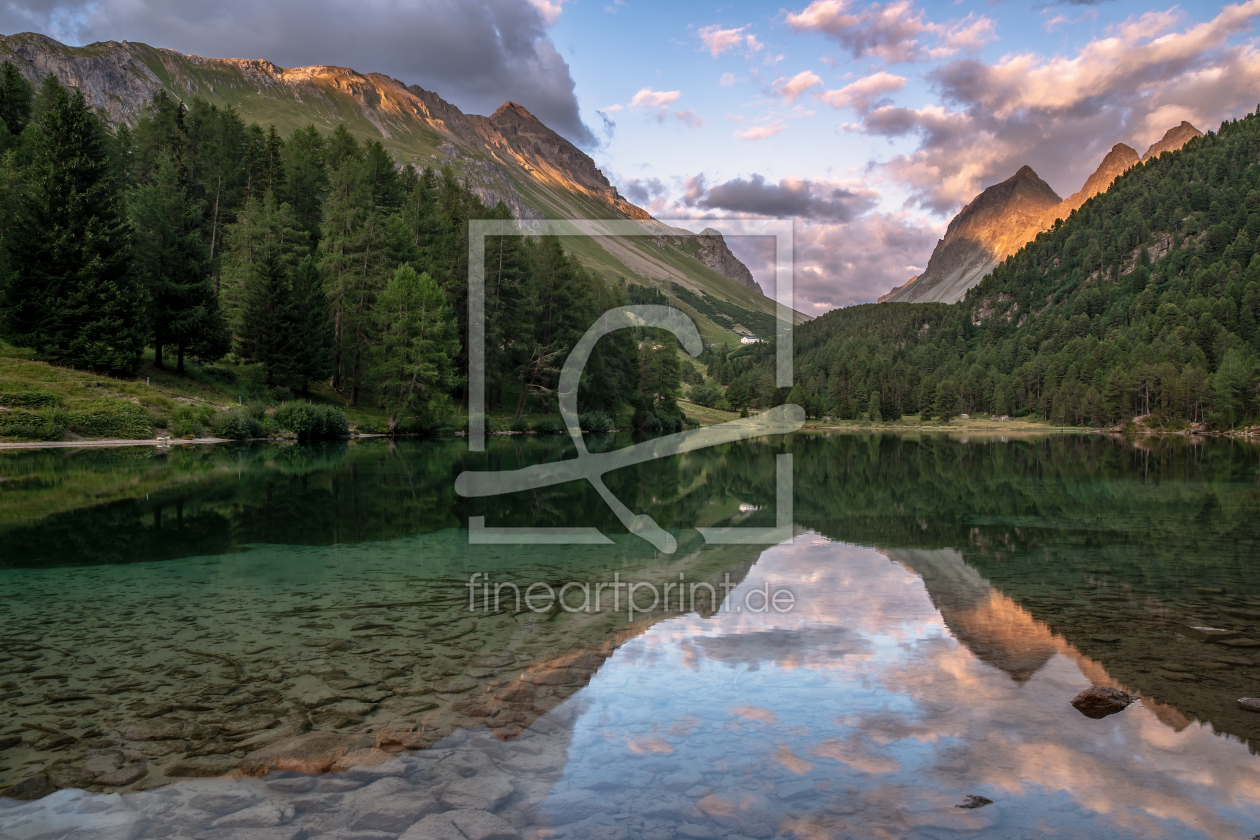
point(973, 801)
point(1099, 701)
point(314, 752)
point(1208, 634)
point(1251, 704)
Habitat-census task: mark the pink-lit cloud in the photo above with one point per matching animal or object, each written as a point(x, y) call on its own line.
point(718, 40)
point(896, 32)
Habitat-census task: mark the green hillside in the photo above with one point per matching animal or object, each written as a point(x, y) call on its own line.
point(1143, 302)
point(370, 108)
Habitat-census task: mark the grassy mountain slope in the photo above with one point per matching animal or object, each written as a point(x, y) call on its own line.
point(509, 156)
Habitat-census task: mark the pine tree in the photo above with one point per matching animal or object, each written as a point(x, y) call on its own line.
point(71, 295)
point(660, 371)
point(306, 176)
point(172, 260)
point(159, 133)
point(311, 326)
point(946, 404)
point(418, 347)
point(267, 328)
point(16, 97)
point(262, 229)
point(873, 411)
point(215, 162)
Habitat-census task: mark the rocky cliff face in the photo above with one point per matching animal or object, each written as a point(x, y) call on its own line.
point(1173, 139)
point(895, 289)
point(978, 239)
point(120, 78)
point(715, 253)
point(989, 229)
point(1116, 163)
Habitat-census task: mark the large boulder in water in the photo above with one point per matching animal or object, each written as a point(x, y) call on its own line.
point(1099, 701)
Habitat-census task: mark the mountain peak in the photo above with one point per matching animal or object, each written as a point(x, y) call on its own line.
point(989, 229)
point(512, 109)
point(1173, 139)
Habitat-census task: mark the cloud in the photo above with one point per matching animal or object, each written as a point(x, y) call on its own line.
point(727, 80)
point(659, 102)
point(845, 251)
point(891, 31)
point(865, 93)
point(761, 132)
point(790, 198)
point(614, 6)
point(610, 125)
point(474, 53)
point(642, 190)
point(718, 40)
point(548, 9)
point(648, 98)
point(789, 89)
point(844, 264)
point(1060, 114)
point(689, 119)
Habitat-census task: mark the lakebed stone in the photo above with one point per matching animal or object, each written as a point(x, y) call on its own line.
point(202, 766)
point(1098, 702)
point(313, 752)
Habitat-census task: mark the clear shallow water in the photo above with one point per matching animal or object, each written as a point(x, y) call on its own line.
point(950, 599)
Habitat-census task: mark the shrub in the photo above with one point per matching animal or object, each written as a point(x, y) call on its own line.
point(646, 421)
point(281, 394)
point(235, 424)
point(370, 427)
point(110, 418)
point(550, 426)
point(30, 399)
point(595, 421)
point(225, 376)
point(190, 420)
point(707, 395)
point(44, 424)
point(690, 422)
point(312, 421)
point(520, 424)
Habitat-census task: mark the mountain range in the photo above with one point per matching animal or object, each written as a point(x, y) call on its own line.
point(1006, 216)
point(509, 156)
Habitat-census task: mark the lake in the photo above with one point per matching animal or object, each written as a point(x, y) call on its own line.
point(281, 641)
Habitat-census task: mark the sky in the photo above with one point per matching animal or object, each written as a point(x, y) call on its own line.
point(869, 123)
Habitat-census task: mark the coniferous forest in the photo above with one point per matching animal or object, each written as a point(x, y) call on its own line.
point(317, 258)
point(313, 256)
point(1143, 302)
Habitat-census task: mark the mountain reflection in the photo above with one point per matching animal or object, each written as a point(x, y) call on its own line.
point(913, 683)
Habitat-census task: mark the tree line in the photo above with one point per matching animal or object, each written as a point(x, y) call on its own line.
point(1143, 302)
point(314, 255)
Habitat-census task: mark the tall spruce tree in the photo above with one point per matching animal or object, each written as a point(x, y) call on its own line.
point(267, 335)
point(16, 96)
point(418, 347)
point(172, 259)
point(311, 326)
point(71, 294)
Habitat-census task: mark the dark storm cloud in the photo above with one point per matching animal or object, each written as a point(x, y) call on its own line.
point(790, 198)
point(474, 53)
